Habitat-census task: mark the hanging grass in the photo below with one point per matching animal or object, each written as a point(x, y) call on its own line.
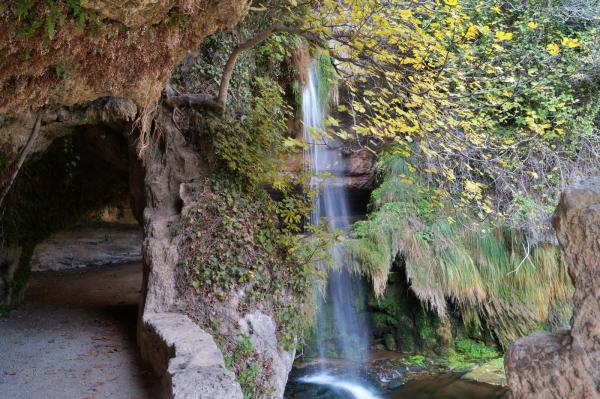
point(489, 273)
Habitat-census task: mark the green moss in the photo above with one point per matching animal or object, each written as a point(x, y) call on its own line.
point(469, 353)
point(491, 372)
point(475, 350)
point(34, 20)
point(326, 77)
point(382, 320)
point(415, 360)
point(390, 342)
point(407, 339)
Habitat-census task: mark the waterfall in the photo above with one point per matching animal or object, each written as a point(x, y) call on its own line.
point(337, 311)
point(343, 290)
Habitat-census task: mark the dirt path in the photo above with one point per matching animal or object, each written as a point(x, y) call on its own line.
point(74, 338)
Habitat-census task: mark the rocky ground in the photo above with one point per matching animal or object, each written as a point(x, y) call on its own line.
point(74, 338)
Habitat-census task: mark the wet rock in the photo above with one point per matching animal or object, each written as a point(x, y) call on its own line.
point(491, 372)
point(359, 172)
point(567, 365)
point(362, 163)
point(390, 342)
point(397, 382)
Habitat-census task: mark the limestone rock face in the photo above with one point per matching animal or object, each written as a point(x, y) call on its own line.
point(359, 173)
point(171, 176)
point(262, 331)
point(567, 365)
point(123, 48)
point(88, 246)
point(15, 129)
point(187, 359)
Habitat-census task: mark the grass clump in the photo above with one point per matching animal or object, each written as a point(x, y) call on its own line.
point(469, 353)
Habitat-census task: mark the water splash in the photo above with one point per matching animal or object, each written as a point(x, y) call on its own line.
point(357, 391)
point(344, 292)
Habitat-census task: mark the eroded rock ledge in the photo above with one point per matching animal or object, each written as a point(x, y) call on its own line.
point(567, 365)
point(187, 358)
point(101, 48)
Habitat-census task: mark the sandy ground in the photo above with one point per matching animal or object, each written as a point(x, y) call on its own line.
point(74, 338)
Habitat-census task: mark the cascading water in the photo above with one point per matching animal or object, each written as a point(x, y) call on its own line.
point(339, 314)
point(341, 330)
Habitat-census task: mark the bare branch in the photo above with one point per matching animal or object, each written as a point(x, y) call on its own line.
point(32, 137)
point(220, 101)
point(248, 44)
point(194, 100)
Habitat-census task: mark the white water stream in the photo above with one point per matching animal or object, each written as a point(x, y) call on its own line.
point(352, 388)
point(338, 314)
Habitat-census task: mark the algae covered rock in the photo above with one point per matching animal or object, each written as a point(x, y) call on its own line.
point(491, 372)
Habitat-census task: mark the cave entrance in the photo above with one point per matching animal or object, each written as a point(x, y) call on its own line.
point(70, 214)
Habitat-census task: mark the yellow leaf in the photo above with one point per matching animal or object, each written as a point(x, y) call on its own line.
point(502, 36)
point(570, 43)
point(471, 32)
point(553, 49)
point(532, 25)
point(484, 29)
point(405, 14)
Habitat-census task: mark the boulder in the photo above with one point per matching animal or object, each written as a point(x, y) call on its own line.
point(566, 365)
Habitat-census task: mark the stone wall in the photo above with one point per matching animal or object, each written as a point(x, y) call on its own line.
point(566, 365)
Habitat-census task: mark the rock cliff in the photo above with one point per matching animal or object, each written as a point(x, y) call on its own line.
point(97, 67)
point(72, 52)
point(567, 365)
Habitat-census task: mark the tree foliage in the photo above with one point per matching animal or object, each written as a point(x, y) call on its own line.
point(494, 101)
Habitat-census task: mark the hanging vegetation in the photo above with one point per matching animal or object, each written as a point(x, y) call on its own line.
point(492, 275)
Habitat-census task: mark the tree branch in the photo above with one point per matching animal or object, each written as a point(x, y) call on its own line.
point(194, 100)
point(32, 137)
point(220, 101)
point(248, 44)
